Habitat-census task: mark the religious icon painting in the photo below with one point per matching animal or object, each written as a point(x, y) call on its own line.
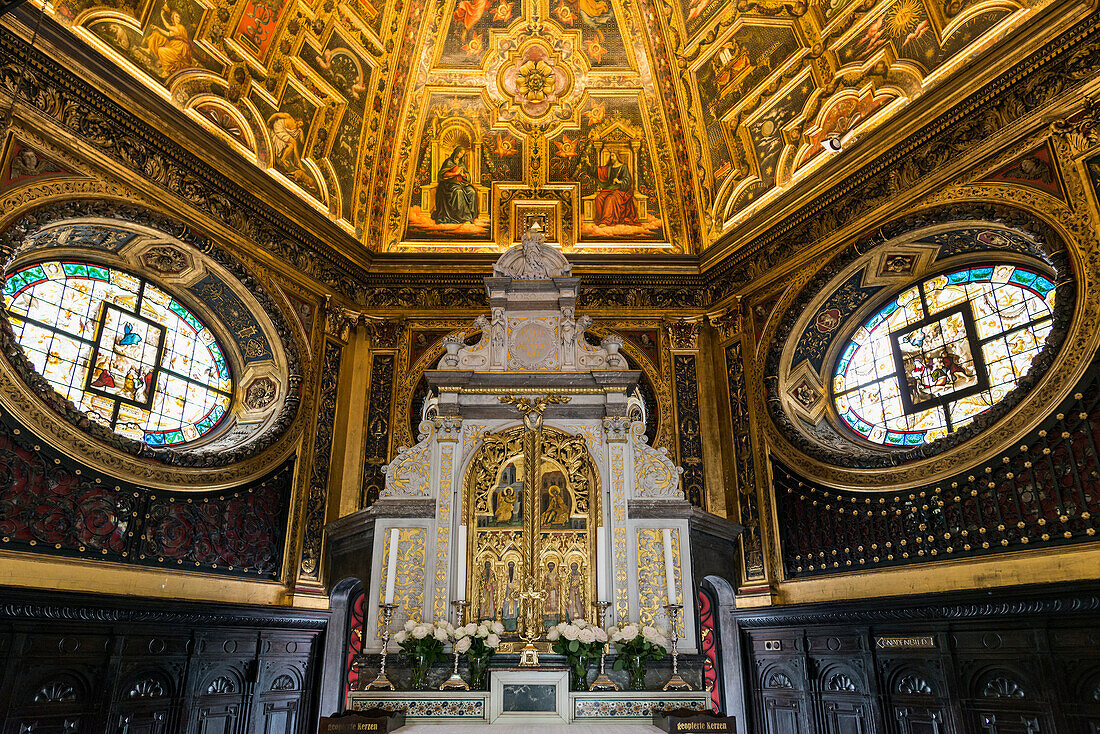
point(509, 605)
point(575, 584)
point(487, 592)
point(126, 357)
point(551, 590)
point(609, 158)
point(556, 500)
point(507, 497)
point(459, 158)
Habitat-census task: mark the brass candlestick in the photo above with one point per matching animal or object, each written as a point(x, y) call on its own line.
point(460, 606)
point(529, 656)
point(675, 683)
point(382, 683)
point(455, 682)
point(602, 682)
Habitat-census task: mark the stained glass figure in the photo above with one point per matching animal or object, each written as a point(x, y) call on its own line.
point(123, 351)
point(941, 353)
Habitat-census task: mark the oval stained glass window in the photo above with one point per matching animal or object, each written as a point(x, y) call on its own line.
point(126, 353)
point(941, 353)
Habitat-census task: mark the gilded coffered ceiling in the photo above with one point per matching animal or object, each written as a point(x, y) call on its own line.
point(623, 126)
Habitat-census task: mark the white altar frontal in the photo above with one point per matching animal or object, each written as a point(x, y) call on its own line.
point(532, 471)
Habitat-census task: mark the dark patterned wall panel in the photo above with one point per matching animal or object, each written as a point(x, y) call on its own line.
point(1042, 492)
point(376, 450)
point(687, 415)
point(749, 514)
point(84, 663)
point(50, 505)
point(317, 499)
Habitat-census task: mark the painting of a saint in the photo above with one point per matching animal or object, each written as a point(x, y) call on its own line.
point(509, 612)
point(551, 600)
point(168, 44)
point(287, 136)
point(506, 500)
point(507, 497)
point(614, 190)
point(456, 198)
point(486, 606)
point(574, 604)
point(557, 509)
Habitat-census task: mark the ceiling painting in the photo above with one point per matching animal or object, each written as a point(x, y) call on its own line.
point(772, 111)
point(552, 122)
point(609, 160)
point(627, 126)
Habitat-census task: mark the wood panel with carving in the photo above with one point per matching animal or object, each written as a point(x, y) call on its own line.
point(75, 663)
point(1022, 660)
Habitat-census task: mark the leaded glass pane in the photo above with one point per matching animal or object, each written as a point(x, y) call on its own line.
point(941, 353)
point(123, 351)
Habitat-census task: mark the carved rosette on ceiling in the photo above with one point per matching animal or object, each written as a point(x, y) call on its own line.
point(536, 81)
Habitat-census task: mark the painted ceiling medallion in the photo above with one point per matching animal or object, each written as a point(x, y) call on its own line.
point(535, 79)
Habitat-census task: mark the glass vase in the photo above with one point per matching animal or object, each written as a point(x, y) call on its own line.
point(479, 671)
point(579, 674)
point(635, 669)
point(420, 667)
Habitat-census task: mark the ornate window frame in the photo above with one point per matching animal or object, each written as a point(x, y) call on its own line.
point(205, 278)
point(828, 456)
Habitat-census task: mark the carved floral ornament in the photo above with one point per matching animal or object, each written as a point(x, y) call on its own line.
point(111, 248)
point(535, 79)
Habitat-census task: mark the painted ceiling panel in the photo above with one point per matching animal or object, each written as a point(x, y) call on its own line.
point(624, 126)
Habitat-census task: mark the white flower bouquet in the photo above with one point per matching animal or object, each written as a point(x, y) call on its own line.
point(422, 643)
point(478, 642)
point(637, 644)
point(581, 643)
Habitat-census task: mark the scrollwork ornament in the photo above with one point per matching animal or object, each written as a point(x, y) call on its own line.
point(728, 324)
point(1080, 128)
point(684, 334)
point(408, 475)
point(339, 321)
point(656, 476)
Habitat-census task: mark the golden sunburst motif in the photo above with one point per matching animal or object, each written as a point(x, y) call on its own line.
point(901, 19)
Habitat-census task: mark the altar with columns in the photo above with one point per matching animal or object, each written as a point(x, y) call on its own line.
point(532, 497)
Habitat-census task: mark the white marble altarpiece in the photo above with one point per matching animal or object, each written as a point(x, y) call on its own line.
point(532, 463)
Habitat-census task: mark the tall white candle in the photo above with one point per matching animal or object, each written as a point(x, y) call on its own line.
point(670, 570)
point(391, 570)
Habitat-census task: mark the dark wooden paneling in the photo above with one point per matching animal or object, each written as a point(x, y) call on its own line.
point(77, 663)
point(1014, 661)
